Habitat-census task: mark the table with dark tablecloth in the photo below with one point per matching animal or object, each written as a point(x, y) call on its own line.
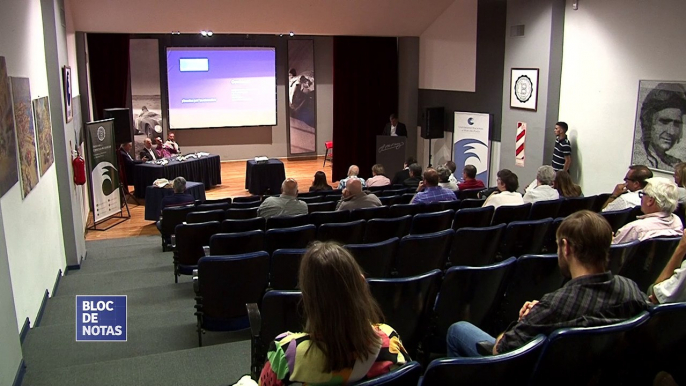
point(207, 170)
point(259, 177)
point(154, 196)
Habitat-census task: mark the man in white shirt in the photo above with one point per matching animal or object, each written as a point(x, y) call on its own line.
point(507, 194)
point(171, 144)
point(670, 286)
point(543, 191)
point(626, 195)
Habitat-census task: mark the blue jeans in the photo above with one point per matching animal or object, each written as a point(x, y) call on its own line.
point(462, 339)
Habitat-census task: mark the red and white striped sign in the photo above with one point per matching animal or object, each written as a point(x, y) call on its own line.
point(519, 143)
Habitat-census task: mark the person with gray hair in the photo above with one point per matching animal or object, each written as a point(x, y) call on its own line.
point(353, 171)
point(379, 178)
point(658, 201)
point(444, 178)
point(287, 204)
point(543, 191)
point(179, 198)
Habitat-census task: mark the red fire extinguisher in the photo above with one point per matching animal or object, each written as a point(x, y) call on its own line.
point(79, 166)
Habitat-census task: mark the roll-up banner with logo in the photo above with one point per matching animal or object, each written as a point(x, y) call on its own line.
point(104, 180)
point(471, 143)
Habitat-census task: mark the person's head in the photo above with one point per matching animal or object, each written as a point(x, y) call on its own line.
point(144, 109)
point(289, 187)
point(469, 172)
point(147, 143)
point(662, 116)
point(179, 185)
point(378, 170)
point(443, 174)
point(659, 195)
point(393, 119)
point(545, 175)
point(565, 186)
point(354, 187)
point(339, 308)
point(451, 166)
point(171, 137)
point(292, 72)
point(353, 171)
point(415, 170)
point(126, 146)
point(636, 177)
point(584, 239)
point(158, 140)
point(561, 128)
point(507, 181)
point(430, 177)
point(680, 174)
point(410, 160)
point(319, 179)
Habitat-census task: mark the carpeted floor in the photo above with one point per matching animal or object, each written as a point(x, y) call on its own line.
point(162, 346)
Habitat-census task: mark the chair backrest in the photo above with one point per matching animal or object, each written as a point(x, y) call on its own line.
point(405, 375)
point(649, 260)
point(310, 194)
point(205, 216)
point(369, 213)
point(237, 243)
point(376, 189)
point(419, 254)
point(241, 213)
point(381, 229)
point(575, 204)
point(226, 200)
point(398, 210)
point(245, 205)
point(507, 214)
point(213, 206)
point(473, 217)
point(252, 198)
point(471, 202)
point(251, 224)
point(406, 198)
point(389, 200)
point(432, 222)
point(344, 233)
point(476, 247)
point(441, 205)
point(330, 197)
point(190, 240)
point(391, 191)
point(284, 268)
point(524, 237)
point(544, 209)
point(326, 206)
point(550, 242)
point(311, 200)
point(171, 217)
point(468, 193)
point(575, 356)
point(621, 253)
point(406, 303)
point(375, 259)
point(600, 201)
point(280, 311)
point(513, 368)
point(681, 213)
point(287, 221)
point(334, 216)
point(617, 218)
point(296, 237)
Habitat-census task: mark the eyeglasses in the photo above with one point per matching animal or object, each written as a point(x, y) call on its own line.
point(629, 179)
point(641, 194)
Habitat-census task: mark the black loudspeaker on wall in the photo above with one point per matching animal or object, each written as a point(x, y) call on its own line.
point(123, 128)
point(434, 123)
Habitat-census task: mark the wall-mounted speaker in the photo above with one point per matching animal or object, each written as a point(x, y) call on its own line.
point(435, 123)
point(123, 124)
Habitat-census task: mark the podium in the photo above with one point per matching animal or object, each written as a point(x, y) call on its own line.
point(390, 152)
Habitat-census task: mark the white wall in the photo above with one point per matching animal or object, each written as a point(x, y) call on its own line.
point(609, 46)
point(10, 349)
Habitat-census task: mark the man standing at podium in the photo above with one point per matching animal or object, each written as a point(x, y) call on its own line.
point(395, 128)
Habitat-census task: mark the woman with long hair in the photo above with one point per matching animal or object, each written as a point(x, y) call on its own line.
point(565, 186)
point(680, 180)
point(319, 184)
point(343, 341)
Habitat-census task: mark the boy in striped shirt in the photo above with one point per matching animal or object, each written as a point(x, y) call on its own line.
point(562, 155)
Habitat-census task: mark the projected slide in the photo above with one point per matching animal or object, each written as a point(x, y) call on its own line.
point(221, 87)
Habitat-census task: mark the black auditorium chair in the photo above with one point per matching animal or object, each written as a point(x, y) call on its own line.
point(389, 200)
point(544, 209)
point(600, 201)
point(472, 203)
point(241, 213)
point(398, 210)
point(473, 217)
point(620, 253)
point(441, 205)
point(245, 205)
point(311, 200)
point(550, 243)
point(171, 217)
point(284, 268)
point(332, 198)
point(405, 375)
point(418, 254)
point(406, 304)
point(344, 232)
point(575, 204)
point(432, 222)
point(326, 206)
point(524, 237)
point(375, 189)
point(251, 224)
point(225, 285)
point(405, 198)
point(468, 193)
point(190, 240)
point(205, 216)
point(649, 260)
point(296, 237)
point(476, 247)
point(252, 198)
point(236, 243)
point(335, 216)
point(226, 200)
point(391, 192)
point(310, 194)
point(617, 218)
point(213, 206)
point(375, 259)
point(369, 213)
point(380, 229)
point(635, 212)
point(506, 214)
point(287, 221)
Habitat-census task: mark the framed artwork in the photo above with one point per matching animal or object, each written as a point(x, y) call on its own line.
point(9, 175)
point(524, 88)
point(66, 83)
point(41, 112)
point(26, 134)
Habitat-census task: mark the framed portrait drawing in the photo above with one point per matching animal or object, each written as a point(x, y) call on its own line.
point(524, 88)
point(659, 125)
point(66, 85)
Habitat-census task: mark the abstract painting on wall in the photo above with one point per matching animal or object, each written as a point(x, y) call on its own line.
point(26, 136)
point(41, 110)
point(8, 142)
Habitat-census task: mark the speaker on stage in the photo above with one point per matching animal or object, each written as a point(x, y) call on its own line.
point(123, 124)
point(434, 123)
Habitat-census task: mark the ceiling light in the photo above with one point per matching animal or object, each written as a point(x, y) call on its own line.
point(203, 33)
point(291, 34)
point(210, 33)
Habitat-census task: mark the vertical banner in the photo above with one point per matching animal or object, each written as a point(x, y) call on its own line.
point(302, 99)
point(104, 178)
point(470, 143)
point(519, 143)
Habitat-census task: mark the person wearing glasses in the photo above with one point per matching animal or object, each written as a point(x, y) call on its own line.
point(658, 201)
point(626, 195)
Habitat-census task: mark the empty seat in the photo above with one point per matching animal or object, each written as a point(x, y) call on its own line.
point(506, 214)
point(441, 205)
point(524, 237)
point(190, 240)
point(344, 233)
point(296, 237)
point(600, 201)
point(473, 217)
point(247, 199)
point(432, 222)
point(171, 217)
point(319, 218)
point(287, 221)
point(375, 259)
point(649, 260)
point(575, 204)
point(369, 213)
point(544, 209)
point(381, 229)
point(419, 254)
point(284, 268)
point(241, 213)
point(468, 193)
point(472, 203)
point(226, 200)
point(236, 243)
point(405, 198)
point(476, 247)
point(213, 206)
point(205, 216)
point(326, 206)
point(245, 205)
point(251, 224)
point(311, 200)
point(389, 200)
point(399, 210)
point(550, 242)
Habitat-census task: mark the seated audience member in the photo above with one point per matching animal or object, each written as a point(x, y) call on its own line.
point(593, 296)
point(544, 190)
point(344, 340)
point(680, 180)
point(415, 176)
point(171, 145)
point(444, 178)
point(404, 174)
point(179, 198)
point(354, 198)
point(379, 178)
point(469, 178)
point(428, 190)
point(162, 151)
point(626, 195)
point(148, 153)
point(658, 202)
point(129, 162)
point(670, 286)
point(287, 204)
point(452, 167)
point(565, 186)
point(353, 171)
point(319, 183)
point(507, 191)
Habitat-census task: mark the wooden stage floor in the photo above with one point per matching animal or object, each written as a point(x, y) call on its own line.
point(233, 185)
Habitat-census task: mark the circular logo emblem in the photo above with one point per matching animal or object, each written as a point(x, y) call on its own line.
point(101, 133)
point(470, 120)
point(523, 88)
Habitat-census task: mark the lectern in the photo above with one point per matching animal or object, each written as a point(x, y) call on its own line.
point(390, 152)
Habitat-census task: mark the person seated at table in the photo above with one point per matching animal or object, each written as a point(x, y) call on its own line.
point(129, 162)
point(287, 204)
point(171, 144)
point(353, 171)
point(179, 198)
point(379, 178)
point(162, 152)
point(319, 183)
point(148, 151)
point(344, 340)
